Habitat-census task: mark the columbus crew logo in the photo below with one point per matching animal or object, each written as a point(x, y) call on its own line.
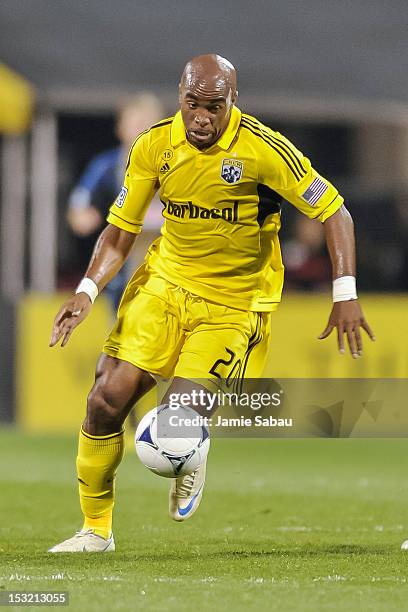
point(231, 170)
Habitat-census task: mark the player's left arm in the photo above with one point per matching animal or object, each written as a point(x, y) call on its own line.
point(346, 315)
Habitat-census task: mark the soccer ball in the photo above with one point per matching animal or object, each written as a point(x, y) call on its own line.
point(172, 442)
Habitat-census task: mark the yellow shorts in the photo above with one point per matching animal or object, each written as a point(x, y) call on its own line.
point(167, 331)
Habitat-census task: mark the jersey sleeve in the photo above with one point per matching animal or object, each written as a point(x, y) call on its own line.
point(140, 184)
point(283, 168)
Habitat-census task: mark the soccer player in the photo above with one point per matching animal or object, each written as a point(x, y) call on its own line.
point(200, 306)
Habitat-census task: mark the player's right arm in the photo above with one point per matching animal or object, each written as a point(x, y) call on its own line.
point(113, 246)
point(111, 251)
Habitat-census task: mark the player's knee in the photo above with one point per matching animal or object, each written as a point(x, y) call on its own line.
point(102, 413)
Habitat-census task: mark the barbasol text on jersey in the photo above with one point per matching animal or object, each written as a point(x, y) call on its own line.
point(188, 210)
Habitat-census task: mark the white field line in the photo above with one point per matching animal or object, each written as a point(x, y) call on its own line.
point(253, 580)
point(16, 577)
point(338, 578)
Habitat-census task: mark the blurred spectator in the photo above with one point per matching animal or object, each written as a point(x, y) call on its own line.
point(307, 264)
point(102, 179)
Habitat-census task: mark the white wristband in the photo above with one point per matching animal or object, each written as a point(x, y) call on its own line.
point(344, 289)
point(88, 286)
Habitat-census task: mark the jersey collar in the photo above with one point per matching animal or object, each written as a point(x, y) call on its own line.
point(178, 132)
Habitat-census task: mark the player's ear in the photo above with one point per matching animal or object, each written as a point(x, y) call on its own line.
point(235, 96)
point(180, 96)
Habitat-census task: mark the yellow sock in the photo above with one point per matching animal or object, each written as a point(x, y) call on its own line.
point(97, 461)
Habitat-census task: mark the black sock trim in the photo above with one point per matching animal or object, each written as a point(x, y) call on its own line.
point(114, 435)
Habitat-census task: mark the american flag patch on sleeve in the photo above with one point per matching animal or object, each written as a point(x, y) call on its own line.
point(314, 192)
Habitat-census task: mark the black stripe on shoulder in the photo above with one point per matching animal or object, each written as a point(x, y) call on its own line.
point(257, 124)
point(153, 127)
point(162, 123)
point(279, 143)
point(131, 148)
point(282, 145)
point(290, 165)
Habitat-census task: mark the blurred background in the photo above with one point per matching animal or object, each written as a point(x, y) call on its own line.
point(79, 80)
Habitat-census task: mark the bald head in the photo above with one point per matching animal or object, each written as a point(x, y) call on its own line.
point(210, 72)
point(208, 90)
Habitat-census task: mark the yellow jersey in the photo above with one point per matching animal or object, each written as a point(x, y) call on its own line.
point(221, 207)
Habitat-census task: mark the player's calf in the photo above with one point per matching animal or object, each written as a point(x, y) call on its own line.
point(102, 416)
point(117, 386)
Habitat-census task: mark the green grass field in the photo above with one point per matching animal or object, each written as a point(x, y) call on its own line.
point(284, 525)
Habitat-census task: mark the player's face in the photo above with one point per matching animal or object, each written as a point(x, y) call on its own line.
point(205, 114)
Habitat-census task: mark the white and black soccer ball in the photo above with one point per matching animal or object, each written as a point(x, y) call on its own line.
point(172, 442)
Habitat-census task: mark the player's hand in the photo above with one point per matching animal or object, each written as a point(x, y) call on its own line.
point(69, 317)
point(348, 318)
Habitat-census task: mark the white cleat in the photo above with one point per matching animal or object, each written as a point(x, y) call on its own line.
point(85, 541)
point(404, 545)
point(186, 493)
